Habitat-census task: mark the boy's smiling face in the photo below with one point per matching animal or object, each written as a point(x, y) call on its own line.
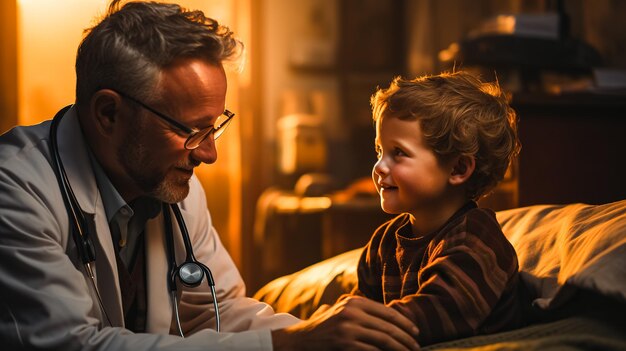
point(408, 175)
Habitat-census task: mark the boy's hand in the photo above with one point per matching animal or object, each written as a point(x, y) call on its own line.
point(355, 323)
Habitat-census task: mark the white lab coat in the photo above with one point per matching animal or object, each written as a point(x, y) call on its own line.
point(47, 301)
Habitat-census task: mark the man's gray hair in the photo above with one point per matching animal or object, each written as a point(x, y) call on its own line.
point(127, 49)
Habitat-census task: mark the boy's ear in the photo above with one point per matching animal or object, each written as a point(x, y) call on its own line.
point(462, 169)
point(105, 105)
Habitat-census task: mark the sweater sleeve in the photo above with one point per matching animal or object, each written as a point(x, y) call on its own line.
point(462, 279)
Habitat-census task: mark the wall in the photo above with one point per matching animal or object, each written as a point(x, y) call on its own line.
point(289, 33)
point(46, 62)
point(434, 24)
point(8, 63)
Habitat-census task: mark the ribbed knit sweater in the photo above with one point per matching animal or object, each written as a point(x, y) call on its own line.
point(458, 281)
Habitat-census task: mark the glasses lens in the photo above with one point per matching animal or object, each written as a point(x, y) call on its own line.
point(221, 124)
point(196, 139)
point(218, 129)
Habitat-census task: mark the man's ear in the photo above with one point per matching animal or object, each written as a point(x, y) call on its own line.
point(462, 169)
point(105, 106)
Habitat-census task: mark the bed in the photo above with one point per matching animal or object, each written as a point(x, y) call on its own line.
point(572, 262)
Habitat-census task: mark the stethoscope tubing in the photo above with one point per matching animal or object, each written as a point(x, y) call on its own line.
point(190, 258)
point(86, 251)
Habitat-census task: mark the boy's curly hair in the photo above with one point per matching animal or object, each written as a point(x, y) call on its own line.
point(458, 115)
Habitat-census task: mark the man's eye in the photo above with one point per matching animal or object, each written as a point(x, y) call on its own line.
point(379, 152)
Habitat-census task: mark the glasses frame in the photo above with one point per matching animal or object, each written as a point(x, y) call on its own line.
point(216, 131)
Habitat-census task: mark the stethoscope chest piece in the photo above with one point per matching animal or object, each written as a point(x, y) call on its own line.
point(190, 274)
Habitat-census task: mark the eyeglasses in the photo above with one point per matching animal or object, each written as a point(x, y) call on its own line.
point(196, 136)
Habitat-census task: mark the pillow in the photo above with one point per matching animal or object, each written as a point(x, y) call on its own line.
point(301, 293)
point(561, 247)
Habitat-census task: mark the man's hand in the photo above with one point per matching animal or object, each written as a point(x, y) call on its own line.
point(355, 323)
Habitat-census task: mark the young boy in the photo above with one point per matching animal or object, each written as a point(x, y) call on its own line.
point(442, 142)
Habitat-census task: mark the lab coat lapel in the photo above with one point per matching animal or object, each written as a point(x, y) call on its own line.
point(75, 158)
point(159, 316)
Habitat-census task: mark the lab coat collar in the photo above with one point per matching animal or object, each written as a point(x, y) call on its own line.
point(73, 152)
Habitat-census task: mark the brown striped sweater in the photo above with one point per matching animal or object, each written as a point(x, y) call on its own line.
point(458, 281)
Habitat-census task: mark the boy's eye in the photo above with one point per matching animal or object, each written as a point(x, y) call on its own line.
point(379, 151)
point(398, 152)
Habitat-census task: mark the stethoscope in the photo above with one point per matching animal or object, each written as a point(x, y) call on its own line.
point(190, 273)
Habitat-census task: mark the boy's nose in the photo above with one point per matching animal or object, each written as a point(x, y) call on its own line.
point(380, 168)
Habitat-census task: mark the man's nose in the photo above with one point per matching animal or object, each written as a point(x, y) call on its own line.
point(206, 152)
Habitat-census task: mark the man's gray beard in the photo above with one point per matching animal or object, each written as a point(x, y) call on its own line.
point(168, 194)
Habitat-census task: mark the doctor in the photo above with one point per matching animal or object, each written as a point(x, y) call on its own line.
point(106, 242)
